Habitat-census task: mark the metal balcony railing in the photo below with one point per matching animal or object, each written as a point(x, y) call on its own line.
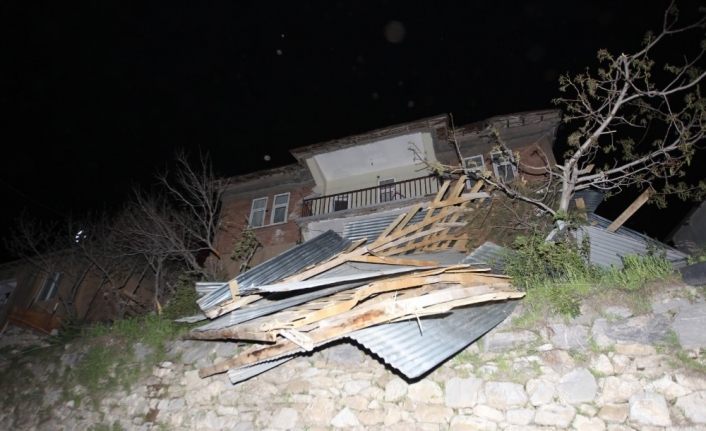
point(370, 196)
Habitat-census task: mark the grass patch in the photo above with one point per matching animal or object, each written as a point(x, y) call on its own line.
point(693, 364)
point(466, 357)
point(637, 272)
point(557, 277)
point(680, 358)
point(104, 427)
point(109, 362)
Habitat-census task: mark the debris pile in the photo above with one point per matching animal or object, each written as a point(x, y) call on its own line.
point(408, 296)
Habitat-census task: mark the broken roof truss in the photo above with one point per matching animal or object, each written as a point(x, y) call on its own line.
point(357, 286)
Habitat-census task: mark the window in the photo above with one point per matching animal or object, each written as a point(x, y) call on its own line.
point(280, 205)
point(340, 203)
point(473, 164)
point(503, 166)
point(50, 287)
point(257, 212)
point(387, 190)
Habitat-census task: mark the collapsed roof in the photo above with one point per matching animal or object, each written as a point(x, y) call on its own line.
point(397, 285)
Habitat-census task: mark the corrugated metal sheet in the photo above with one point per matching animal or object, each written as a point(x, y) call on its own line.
point(283, 265)
point(265, 307)
point(592, 198)
point(602, 222)
point(290, 286)
point(406, 348)
point(206, 287)
point(372, 227)
point(489, 254)
point(414, 353)
point(608, 248)
point(402, 345)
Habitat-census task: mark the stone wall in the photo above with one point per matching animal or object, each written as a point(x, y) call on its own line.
point(608, 369)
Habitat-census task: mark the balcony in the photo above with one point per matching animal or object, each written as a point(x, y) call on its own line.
point(371, 196)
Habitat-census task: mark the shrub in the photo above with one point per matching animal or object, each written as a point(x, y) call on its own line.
point(557, 275)
point(637, 271)
point(183, 300)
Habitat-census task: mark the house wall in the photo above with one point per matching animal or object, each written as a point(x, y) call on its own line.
point(360, 167)
point(352, 163)
point(531, 135)
point(235, 212)
point(433, 132)
point(27, 309)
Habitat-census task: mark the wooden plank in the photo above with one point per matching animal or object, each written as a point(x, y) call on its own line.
point(458, 187)
point(246, 333)
point(231, 305)
point(355, 244)
point(332, 263)
point(410, 214)
point(629, 211)
point(442, 191)
point(580, 204)
point(393, 225)
point(337, 303)
point(384, 286)
point(394, 261)
point(477, 186)
point(451, 220)
point(291, 285)
point(405, 239)
point(451, 224)
point(459, 200)
point(234, 288)
point(380, 313)
point(422, 244)
point(412, 228)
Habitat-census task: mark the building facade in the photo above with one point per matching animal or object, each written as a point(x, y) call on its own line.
point(370, 175)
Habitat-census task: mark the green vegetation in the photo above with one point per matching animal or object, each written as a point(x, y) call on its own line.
point(557, 276)
point(103, 427)
point(110, 362)
point(679, 358)
point(183, 301)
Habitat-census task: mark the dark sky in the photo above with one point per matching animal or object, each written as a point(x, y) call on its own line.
point(96, 96)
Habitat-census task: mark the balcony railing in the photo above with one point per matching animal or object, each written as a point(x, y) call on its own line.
point(370, 196)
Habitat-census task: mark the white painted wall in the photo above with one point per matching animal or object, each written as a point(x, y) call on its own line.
point(364, 165)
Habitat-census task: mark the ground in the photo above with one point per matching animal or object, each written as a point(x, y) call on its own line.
point(614, 367)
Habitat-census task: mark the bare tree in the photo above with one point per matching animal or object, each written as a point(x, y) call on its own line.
point(639, 119)
point(196, 195)
point(176, 222)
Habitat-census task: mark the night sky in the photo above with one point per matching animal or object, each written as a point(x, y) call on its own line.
point(95, 97)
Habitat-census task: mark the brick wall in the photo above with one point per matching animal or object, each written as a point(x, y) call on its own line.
point(273, 238)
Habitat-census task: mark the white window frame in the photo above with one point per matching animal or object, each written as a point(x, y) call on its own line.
point(507, 162)
point(253, 210)
point(275, 206)
point(50, 287)
point(386, 190)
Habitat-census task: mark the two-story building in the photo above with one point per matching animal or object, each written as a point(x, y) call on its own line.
point(369, 176)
